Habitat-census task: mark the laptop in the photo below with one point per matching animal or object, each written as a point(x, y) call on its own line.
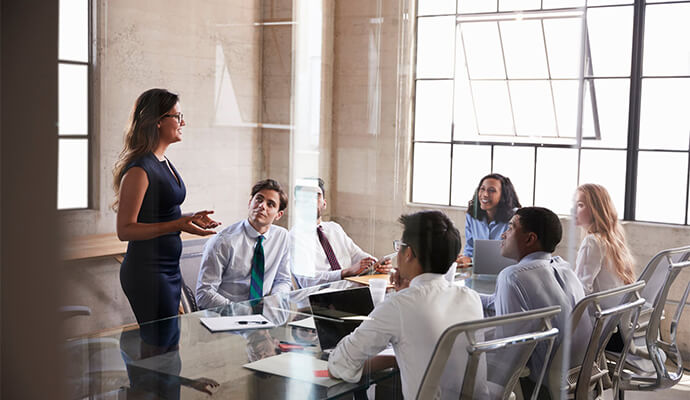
point(487, 258)
point(338, 313)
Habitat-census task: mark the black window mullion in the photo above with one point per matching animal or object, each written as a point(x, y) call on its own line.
point(634, 111)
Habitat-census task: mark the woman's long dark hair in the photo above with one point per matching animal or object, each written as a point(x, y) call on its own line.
point(141, 136)
point(508, 202)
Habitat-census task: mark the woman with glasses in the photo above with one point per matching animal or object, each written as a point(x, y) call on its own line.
point(488, 212)
point(149, 191)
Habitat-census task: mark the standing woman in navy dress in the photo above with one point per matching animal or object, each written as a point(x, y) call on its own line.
point(149, 191)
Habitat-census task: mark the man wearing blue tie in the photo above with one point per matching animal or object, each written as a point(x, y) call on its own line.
point(250, 258)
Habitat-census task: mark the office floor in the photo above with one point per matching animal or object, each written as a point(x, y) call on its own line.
point(678, 392)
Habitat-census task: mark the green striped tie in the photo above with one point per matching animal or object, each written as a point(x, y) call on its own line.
point(256, 287)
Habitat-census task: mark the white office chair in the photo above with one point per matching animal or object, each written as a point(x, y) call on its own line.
point(652, 363)
point(509, 351)
point(595, 317)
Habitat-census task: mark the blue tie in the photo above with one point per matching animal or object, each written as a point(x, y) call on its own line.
point(256, 287)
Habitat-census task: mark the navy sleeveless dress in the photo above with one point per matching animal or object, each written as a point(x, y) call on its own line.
point(150, 273)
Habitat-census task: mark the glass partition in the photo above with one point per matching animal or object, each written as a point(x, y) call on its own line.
point(363, 112)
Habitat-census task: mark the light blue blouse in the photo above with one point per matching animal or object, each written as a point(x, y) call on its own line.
point(481, 229)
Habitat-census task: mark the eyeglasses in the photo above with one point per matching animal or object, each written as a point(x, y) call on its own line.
point(398, 245)
point(179, 117)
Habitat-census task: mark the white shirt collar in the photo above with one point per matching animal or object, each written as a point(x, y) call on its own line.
point(537, 255)
point(253, 233)
point(422, 279)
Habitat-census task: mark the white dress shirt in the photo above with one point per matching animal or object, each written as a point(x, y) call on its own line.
point(413, 320)
point(226, 265)
point(538, 281)
point(310, 265)
point(593, 268)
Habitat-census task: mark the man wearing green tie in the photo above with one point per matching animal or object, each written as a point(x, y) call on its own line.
point(249, 259)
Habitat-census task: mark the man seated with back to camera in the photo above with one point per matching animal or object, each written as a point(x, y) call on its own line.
point(327, 249)
point(414, 318)
point(538, 279)
point(250, 258)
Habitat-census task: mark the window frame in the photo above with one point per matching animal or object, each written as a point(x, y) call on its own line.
point(634, 115)
point(91, 108)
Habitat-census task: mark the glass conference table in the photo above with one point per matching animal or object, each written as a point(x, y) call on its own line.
point(206, 364)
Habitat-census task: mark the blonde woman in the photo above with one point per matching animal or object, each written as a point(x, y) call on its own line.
point(603, 260)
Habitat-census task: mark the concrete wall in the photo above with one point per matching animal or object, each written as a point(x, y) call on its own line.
point(209, 52)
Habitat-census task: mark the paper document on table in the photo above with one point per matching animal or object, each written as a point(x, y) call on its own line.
point(238, 322)
point(364, 279)
point(304, 323)
point(294, 366)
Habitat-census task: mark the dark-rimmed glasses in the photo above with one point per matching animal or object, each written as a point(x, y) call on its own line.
point(179, 117)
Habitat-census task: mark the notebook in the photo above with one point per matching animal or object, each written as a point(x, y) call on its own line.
point(337, 314)
point(488, 259)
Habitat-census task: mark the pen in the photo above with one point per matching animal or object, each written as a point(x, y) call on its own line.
point(297, 344)
point(252, 322)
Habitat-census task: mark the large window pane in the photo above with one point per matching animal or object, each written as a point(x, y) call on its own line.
point(435, 7)
point(608, 2)
point(72, 173)
point(475, 6)
point(661, 187)
point(493, 110)
point(73, 40)
point(470, 163)
point(612, 106)
point(664, 118)
point(666, 48)
point(563, 40)
point(565, 96)
point(610, 40)
point(431, 173)
point(606, 168)
point(556, 179)
point(464, 121)
point(433, 110)
point(483, 50)
point(563, 3)
point(435, 37)
point(72, 99)
point(523, 47)
point(517, 163)
point(533, 108)
point(518, 5)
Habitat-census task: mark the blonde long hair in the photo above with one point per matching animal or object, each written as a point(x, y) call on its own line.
point(608, 230)
point(141, 136)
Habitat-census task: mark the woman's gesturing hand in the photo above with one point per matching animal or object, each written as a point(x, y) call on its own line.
point(203, 221)
point(198, 224)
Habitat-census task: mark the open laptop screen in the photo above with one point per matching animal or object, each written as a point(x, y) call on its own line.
point(488, 259)
point(338, 313)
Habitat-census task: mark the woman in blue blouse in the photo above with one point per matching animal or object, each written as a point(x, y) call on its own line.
point(489, 212)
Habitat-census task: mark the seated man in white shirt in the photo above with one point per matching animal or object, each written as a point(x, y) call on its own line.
point(413, 319)
point(329, 251)
point(249, 259)
point(538, 279)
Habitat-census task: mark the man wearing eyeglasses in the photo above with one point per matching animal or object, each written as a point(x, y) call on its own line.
point(414, 318)
point(325, 253)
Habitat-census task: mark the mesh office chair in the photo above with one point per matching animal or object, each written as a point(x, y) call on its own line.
point(506, 349)
point(595, 317)
point(646, 365)
point(187, 299)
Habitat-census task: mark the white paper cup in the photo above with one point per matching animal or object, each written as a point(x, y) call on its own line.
point(377, 287)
